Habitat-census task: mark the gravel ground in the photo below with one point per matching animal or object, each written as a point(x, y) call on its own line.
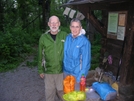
point(22, 84)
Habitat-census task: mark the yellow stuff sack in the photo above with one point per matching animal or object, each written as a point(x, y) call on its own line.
point(75, 96)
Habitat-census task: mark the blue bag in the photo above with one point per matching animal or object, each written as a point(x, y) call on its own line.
point(105, 91)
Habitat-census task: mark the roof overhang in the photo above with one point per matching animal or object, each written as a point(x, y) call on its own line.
point(80, 2)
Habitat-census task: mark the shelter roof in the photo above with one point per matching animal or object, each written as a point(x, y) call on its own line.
point(78, 2)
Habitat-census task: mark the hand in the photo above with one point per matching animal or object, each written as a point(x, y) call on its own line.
point(42, 75)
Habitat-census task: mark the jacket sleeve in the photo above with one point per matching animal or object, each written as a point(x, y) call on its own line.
point(65, 57)
point(86, 59)
point(40, 56)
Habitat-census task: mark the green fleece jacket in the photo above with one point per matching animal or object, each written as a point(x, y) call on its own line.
point(51, 53)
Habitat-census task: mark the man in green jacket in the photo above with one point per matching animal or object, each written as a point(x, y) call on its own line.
point(50, 58)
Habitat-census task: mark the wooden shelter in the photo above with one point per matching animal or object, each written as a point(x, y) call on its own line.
point(113, 38)
point(117, 30)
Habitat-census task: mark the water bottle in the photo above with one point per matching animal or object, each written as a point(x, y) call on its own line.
point(83, 83)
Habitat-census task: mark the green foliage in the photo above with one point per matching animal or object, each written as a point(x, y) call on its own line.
point(95, 51)
point(10, 64)
point(98, 14)
point(20, 31)
point(32, 64)
point(22, 28)
point(66, 29)
point(16, 44)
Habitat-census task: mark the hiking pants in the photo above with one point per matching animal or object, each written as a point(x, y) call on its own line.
point(53, 84)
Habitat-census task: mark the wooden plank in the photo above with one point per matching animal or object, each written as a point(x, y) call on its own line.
point(96, 24)
point(127, 69)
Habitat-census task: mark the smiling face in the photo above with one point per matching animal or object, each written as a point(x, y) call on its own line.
point(54, 24)
point(75, 28)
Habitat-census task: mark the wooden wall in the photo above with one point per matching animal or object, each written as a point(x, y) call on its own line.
point(119, 50)
point(112, 47)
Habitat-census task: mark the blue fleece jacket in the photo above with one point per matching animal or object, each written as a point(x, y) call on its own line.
point(77, 56)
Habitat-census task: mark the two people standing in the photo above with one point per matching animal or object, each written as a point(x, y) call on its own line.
point(73, 57)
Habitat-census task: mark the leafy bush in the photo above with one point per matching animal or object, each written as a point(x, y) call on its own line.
point(16, 45)
point(95, 51)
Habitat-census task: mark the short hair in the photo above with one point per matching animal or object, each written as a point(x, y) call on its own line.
point(75, 20)
point(52, 17)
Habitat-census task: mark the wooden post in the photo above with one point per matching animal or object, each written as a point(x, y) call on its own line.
point(127, 68)
point(96, 24)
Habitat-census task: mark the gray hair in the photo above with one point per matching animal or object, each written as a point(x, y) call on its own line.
point(53, 17)
point(75, 20)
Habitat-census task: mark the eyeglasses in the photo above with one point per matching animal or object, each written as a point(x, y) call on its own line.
point(53, 23)
point(75, 27)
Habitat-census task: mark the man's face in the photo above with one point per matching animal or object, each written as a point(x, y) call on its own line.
point(54, 25)
point(75, 28)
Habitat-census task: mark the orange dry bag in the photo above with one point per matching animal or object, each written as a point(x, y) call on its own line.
point(69, 84)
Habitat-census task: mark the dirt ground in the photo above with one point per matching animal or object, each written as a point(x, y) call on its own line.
point(22, 84)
